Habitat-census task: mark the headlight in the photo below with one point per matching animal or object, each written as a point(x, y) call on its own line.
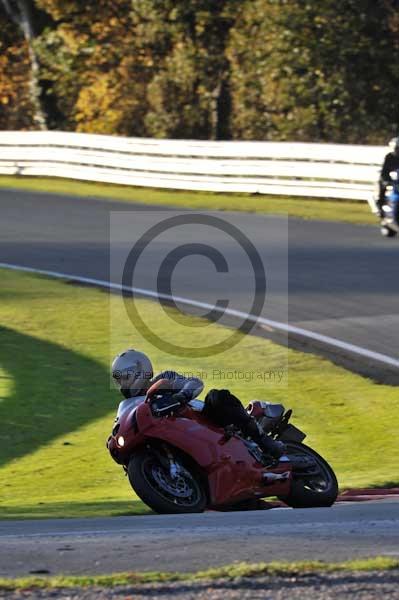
point(121, 441)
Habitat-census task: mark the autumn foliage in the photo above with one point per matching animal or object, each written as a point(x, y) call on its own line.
point(206, 69)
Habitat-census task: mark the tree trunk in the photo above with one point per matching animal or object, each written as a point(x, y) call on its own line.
point(224, 110)
point(214, 112)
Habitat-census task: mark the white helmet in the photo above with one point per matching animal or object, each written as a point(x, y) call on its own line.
point(394, 145)
point(132, 371)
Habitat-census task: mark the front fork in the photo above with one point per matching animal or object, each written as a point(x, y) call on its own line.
point(166, 458)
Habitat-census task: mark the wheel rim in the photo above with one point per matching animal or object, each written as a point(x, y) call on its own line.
point(319, 483)
point(182, 490)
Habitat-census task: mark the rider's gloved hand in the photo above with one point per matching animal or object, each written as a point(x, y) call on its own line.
point(180, 397)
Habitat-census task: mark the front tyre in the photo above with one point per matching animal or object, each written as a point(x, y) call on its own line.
point(153, 483)
point(312, 486)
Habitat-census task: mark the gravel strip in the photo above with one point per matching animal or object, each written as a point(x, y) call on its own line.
point(360, 585)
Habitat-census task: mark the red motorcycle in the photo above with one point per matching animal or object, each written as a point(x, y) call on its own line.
point(178, 461)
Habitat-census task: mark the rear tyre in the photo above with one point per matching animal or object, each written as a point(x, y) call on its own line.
point(312, 491)
point(152, 482)
point(387, 232)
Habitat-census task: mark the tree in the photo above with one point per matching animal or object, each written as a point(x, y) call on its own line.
point(139, 67)
point(16, 110)
point(92, 67)
point(189, 93)
point(24, 14)
point(323, 71)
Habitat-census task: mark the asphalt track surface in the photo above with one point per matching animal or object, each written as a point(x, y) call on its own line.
point(342, 278)
point(194, 542)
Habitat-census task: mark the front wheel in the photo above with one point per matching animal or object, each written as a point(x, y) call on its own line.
point(152, 481)
point(312, 485)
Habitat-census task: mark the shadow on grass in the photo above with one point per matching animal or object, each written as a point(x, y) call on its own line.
point(69, 510)
point(55, 391)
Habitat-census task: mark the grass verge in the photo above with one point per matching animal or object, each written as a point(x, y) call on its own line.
point(229, 572)
point(57, 404)
point(304, 208)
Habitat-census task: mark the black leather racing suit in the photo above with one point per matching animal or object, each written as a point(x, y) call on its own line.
point(391, 163)
point(225, 409)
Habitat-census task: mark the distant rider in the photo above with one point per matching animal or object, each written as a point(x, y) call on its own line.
point(391, 163)
point(132, 372)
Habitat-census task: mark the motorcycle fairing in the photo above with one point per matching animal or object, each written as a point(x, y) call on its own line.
point(232, 472)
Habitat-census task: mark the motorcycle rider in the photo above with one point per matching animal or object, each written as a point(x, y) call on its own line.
point(133, 374)
point(391, 163)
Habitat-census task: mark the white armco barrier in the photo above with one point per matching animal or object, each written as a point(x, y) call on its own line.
point(281, 168)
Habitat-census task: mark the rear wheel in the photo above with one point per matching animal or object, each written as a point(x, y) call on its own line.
point(152, 481)
point(312, 485)
point(387, 232)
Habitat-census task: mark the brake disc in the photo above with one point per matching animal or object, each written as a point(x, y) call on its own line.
point(177, 487)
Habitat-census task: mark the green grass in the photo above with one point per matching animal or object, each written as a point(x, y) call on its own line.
point(229, 572)
point(48, 509)
point(306, 208)
point(57, 404)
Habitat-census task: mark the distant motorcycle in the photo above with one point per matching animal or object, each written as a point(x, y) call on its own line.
point(178, 461)
point(390, 220)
